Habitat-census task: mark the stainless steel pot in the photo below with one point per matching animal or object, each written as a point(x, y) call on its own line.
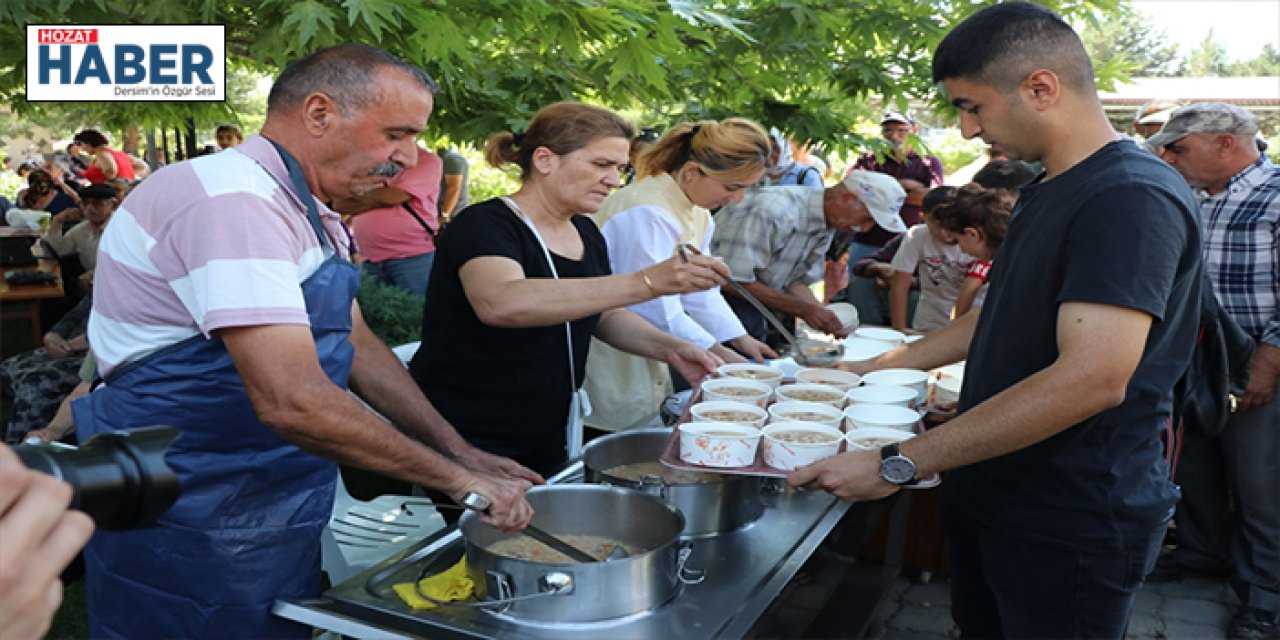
point(709, 508)
point(586, 592)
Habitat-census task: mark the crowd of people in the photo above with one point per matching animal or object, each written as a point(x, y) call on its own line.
point(1068, 275)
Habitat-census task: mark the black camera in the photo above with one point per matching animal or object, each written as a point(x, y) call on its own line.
point(120, 478)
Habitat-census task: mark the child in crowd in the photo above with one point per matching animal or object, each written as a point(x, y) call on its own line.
point(977, 219)
point(930, 252)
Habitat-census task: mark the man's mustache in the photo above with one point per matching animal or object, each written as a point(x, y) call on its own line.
point(389, 169)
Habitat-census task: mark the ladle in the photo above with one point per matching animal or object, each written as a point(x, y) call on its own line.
point(827, 354)
point(480, 503)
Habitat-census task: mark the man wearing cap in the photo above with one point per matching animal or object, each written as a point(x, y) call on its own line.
point(1212, 145)
point(97, 203)
point(775, 240)
point(1151, 116)
point(915, 173)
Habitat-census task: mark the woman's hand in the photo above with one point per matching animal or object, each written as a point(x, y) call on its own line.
point(728, 355)
point(693, 362)
point(753, 349)
point(675, 276)
point(56, 346)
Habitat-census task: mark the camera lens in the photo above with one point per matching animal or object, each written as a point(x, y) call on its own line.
point(120, 478)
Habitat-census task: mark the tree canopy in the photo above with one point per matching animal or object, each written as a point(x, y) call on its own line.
point(809, 67)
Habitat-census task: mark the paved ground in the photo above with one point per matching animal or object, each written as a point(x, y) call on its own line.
point(1194, 609)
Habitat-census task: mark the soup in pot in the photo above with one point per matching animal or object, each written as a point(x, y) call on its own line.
point(638, 471)
point(526, 548)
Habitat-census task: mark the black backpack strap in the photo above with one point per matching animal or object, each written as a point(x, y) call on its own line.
point(430, 232)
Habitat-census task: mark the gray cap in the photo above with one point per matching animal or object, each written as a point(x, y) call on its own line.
point(1204, 117)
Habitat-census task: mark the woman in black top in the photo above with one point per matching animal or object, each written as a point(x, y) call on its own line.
point(495, 357)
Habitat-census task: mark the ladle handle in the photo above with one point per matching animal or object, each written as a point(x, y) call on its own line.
point(799, 356)
point(480, 503)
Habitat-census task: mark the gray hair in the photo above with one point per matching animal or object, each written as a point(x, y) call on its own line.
point(344, 73)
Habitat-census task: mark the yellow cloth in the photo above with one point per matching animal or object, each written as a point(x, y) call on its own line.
point(448, 586)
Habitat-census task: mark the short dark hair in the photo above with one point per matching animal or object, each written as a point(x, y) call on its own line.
point(345, 73)
point(974, 206)
point(937, 197)
point(91, 137)
point(227, 128)
point(1005, 174)
point(1001, 44)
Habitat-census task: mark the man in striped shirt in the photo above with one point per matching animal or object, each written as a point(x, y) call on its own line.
point(1212, 145)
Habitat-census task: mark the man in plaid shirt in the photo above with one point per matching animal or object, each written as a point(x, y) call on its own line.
point(1213, 146)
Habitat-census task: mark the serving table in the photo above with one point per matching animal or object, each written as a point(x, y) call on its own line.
point(761, 579)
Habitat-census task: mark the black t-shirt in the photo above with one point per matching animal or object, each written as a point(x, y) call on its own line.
point(1117, 229)
point(505, 390)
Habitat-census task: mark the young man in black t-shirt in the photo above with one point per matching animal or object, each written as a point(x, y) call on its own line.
point(1057, 495)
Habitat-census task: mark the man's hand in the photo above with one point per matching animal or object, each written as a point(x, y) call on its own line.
point(508, 509)
point(822, 319)
point(490, 464)
point(1264, 374)
point(848, 476)
point(65, 217)
point(38, 538)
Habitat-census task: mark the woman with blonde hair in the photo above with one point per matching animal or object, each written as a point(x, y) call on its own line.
point(521, 283)
point(693, 168)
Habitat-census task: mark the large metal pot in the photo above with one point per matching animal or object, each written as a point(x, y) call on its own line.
point(583, 592)
point(709, 508)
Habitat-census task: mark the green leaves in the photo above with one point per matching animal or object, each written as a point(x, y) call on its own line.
point(307, 19)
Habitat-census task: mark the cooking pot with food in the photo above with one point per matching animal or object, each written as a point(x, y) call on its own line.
point(523, 579)
point(712, 503)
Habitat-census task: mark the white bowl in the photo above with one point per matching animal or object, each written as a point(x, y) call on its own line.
point(883, 394)
point(890, 336)
point(814, 412)
point(847, 313)
point(859, 349)
point(886, 416)
point(801, 392)
point(844, 380)
point(748, 371)
point(863, 439)
point(719, 410)
point(736, 390)
point(782, 453)
point(947, 391)
point(718, 444)
point(914, 378)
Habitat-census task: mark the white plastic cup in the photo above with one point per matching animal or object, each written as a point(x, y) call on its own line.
point(823, 414)
point(847, 313)
point(914, 378)
point(716, 410)
point(718, 444)
point(736, 390)
point(749, 371)
point(843, 380)
point(881, 416)
point(873, 439)
point(801, 392)
point(883, 394)
point(890, 336)
point(786, 455)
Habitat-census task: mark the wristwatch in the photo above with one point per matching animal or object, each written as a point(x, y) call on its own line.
point(895, 467)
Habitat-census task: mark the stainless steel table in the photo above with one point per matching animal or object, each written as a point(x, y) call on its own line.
point(746, 571)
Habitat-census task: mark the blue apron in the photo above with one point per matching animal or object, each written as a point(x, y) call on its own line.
point(246, 528)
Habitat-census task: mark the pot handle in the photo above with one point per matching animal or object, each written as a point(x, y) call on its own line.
point(683, 573)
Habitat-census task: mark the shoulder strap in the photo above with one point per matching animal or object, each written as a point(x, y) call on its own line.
point(417, 217)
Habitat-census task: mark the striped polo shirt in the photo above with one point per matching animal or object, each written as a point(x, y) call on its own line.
point(219, 241)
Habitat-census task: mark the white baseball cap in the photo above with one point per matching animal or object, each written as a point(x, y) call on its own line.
point(881, 194)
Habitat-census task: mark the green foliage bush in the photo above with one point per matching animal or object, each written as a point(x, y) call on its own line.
point(393, 314)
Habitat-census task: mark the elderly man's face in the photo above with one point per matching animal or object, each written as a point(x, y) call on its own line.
point(98, 210)
point(895, 132)
point(1195, 157)
point(847, 213)
point(379, 133)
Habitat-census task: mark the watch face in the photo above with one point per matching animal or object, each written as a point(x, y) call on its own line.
point(898, 470)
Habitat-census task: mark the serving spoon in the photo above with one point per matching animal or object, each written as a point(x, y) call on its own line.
point(477, 502)
point(815, 354)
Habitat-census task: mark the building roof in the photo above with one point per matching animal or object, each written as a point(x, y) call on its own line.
point(1258, 93)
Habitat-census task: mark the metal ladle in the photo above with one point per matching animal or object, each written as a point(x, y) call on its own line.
point(816, 354)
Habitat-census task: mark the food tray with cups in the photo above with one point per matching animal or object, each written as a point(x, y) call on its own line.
point(773, 441)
